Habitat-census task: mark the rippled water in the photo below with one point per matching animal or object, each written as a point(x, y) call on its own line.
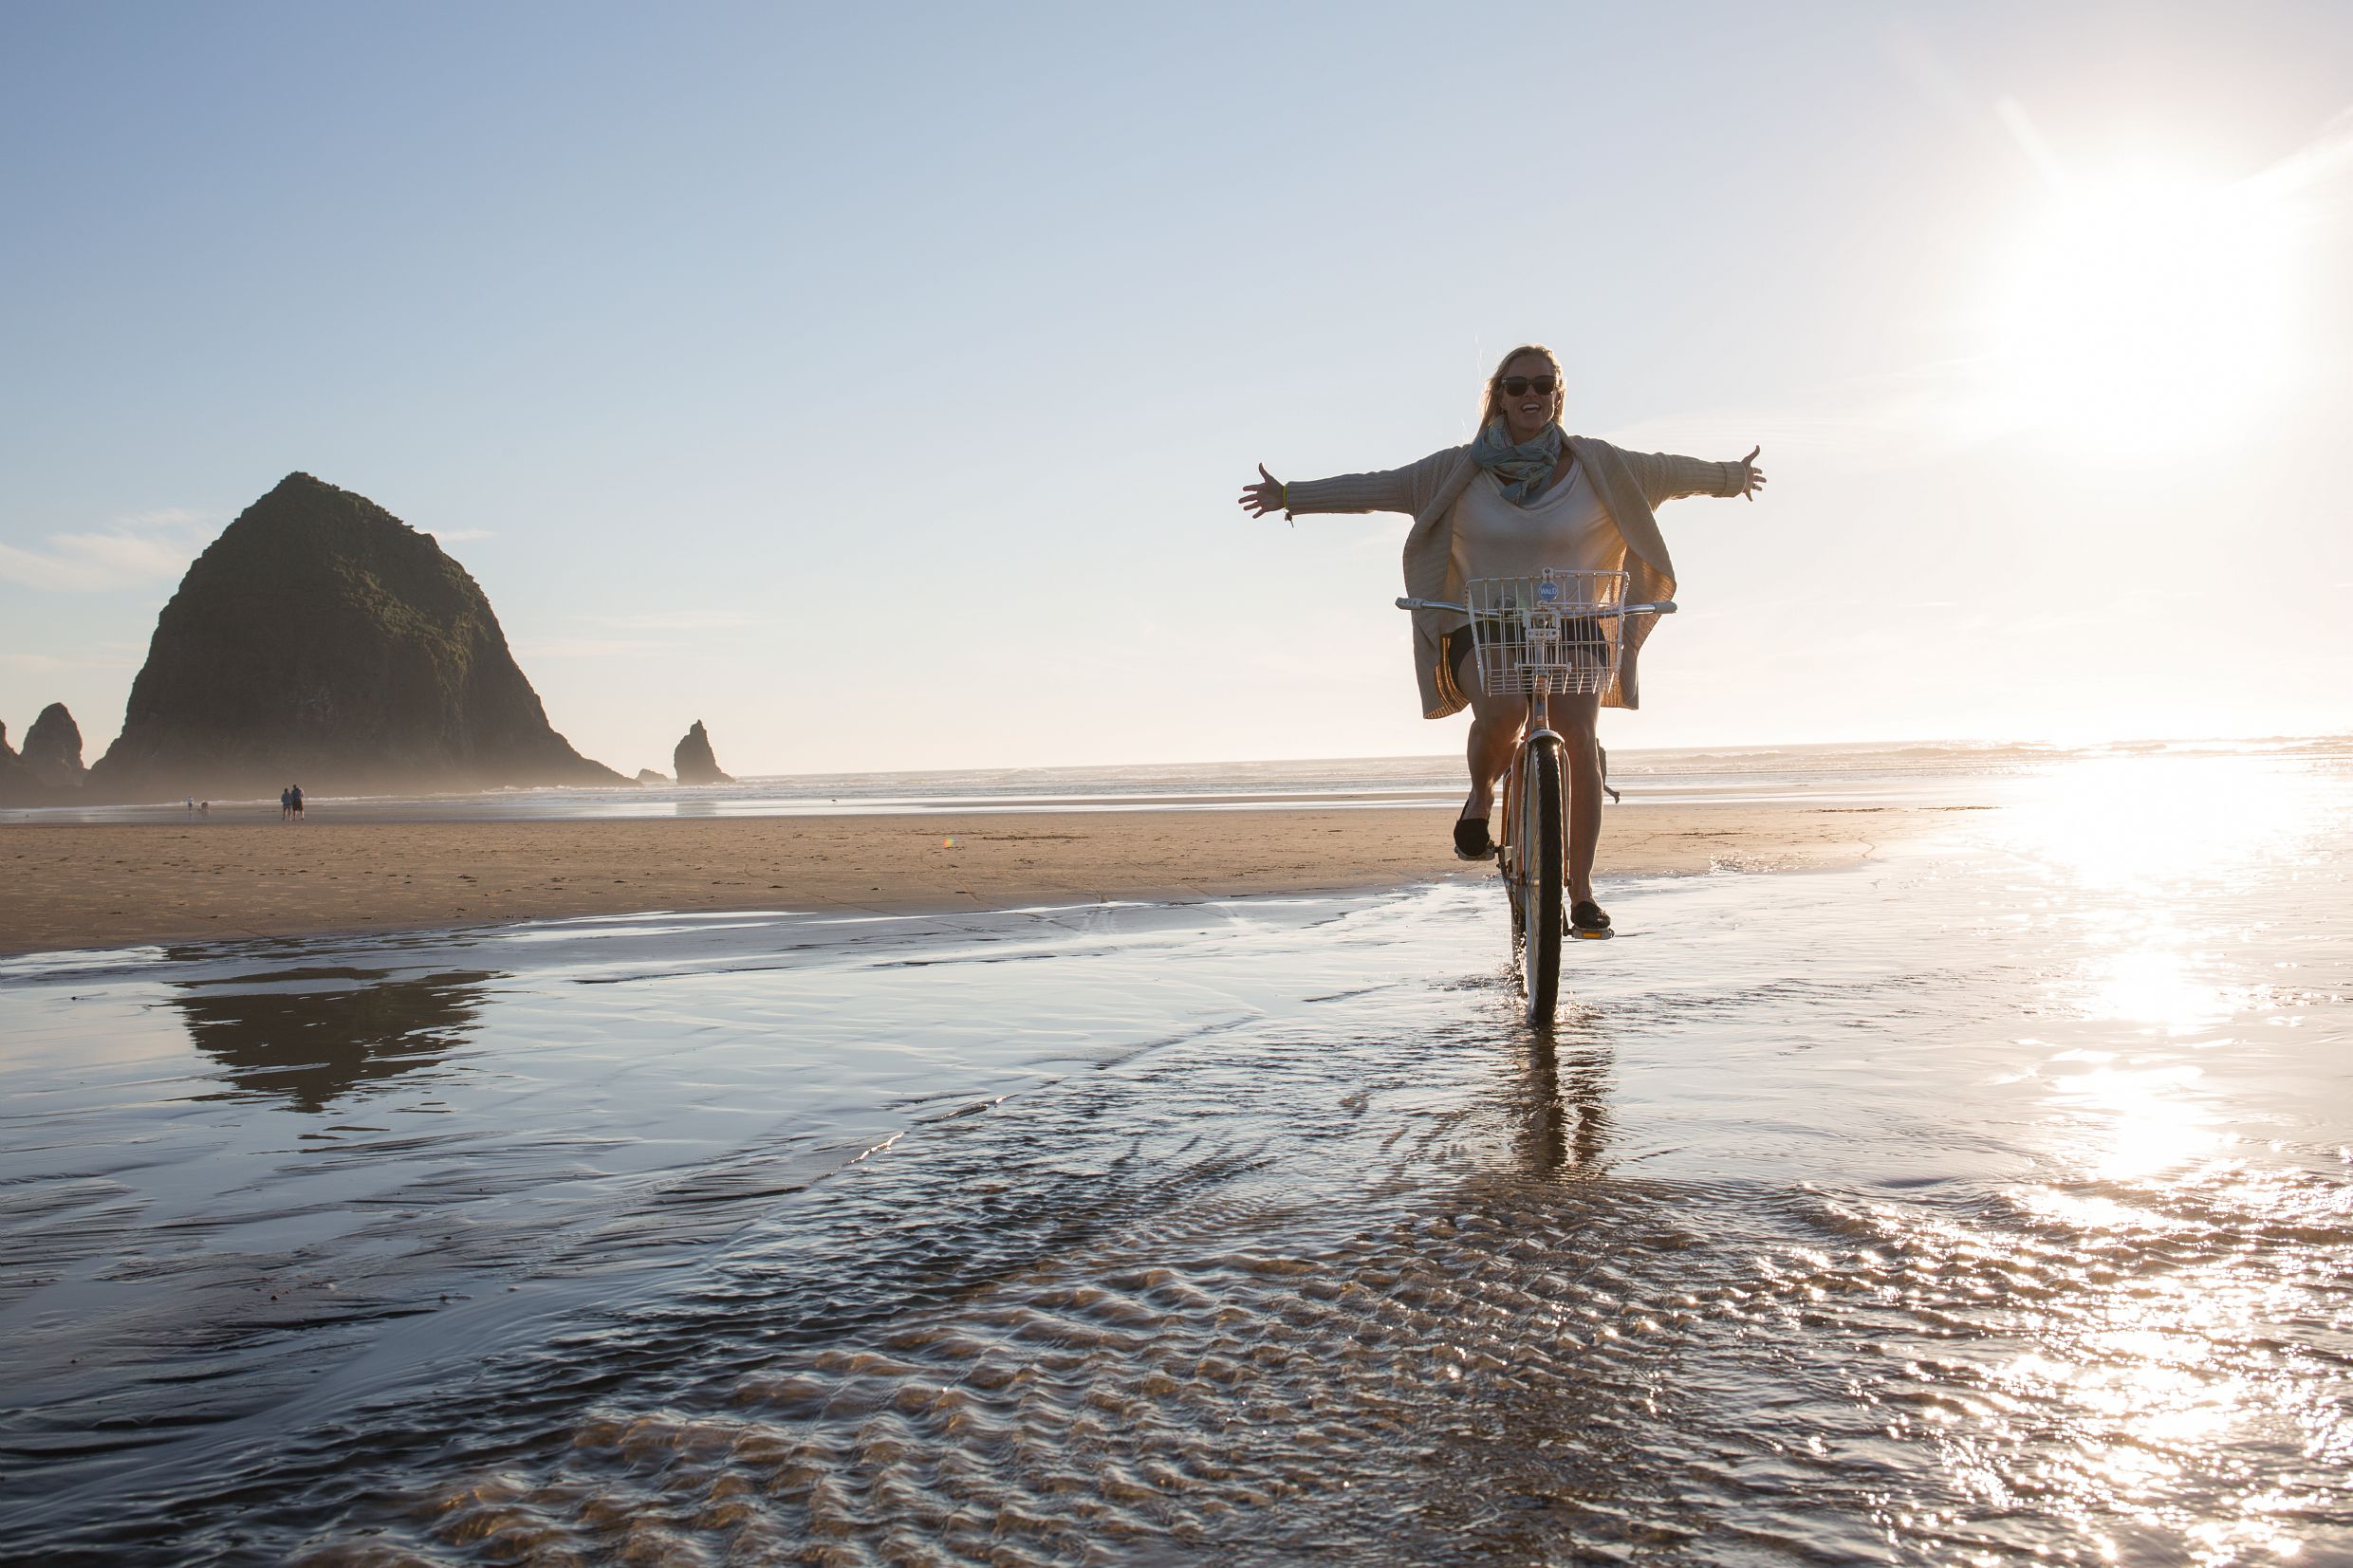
point(1995, 1199)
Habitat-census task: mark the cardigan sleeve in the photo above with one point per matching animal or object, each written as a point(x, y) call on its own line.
point(1666, 477)
point(1406, 490)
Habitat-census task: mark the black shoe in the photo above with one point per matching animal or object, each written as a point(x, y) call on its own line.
point(1584, 914)
point(1471, 840)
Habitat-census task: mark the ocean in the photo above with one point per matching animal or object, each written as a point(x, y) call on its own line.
point(1991, 1200)
point(1915, 773)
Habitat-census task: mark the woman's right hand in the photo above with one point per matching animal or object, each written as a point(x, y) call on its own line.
point(1265, 497)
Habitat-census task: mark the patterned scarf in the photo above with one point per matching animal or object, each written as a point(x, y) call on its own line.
point(1522, 470)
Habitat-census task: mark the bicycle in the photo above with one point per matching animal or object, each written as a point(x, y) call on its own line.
point(1558, 631)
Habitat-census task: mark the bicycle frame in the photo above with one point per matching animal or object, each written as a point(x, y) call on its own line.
point(1534, 840)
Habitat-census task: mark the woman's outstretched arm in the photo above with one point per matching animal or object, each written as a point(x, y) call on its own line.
point(1405, 489)
point(1666, 477)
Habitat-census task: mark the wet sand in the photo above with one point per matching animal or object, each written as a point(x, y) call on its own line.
point(245, 875)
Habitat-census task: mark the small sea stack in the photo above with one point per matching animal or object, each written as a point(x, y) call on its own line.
point(52, 754)
point(693, 760)
point(15, 782)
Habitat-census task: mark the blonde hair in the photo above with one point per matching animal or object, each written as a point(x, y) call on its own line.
point(1490, 410)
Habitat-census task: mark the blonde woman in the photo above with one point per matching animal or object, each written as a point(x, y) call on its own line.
point(1523, 496)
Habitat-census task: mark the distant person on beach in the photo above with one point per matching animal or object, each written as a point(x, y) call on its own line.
point(296, 794)
point(286, 804)
point(1522, 496)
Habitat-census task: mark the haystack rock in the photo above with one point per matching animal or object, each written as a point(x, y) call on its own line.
point(694, 762)
point(322, 641)
point(52, 754)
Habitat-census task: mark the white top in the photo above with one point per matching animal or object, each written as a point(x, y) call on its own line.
point(1566, 529)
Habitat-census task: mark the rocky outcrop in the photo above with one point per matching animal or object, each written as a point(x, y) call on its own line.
point(647, 776)
point(693, 761)
point(49, 771)
point(15, 782)
point(52, 754)
point(320, 640)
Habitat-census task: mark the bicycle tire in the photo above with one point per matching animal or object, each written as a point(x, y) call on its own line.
point(1543, 823)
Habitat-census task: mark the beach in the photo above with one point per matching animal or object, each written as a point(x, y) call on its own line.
point(1121, 1197)
point(1066, 1178)
point(240, 873)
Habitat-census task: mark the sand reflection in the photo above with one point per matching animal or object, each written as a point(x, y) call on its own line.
point(312, 1036)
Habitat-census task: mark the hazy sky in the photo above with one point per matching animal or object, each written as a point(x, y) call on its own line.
point(874, 383)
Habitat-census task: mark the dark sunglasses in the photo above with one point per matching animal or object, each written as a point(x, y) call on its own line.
point(1517, 386)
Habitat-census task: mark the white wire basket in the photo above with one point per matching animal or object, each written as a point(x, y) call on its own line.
point(1560, 629)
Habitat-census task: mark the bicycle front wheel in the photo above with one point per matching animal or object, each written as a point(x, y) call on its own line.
point(1542, 834)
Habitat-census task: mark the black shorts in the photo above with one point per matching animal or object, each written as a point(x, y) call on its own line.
point(1579, 632)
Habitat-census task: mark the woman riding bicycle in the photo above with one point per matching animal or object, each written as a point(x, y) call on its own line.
point(1523, 496)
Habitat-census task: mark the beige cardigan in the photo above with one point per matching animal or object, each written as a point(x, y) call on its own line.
point(1630, 484)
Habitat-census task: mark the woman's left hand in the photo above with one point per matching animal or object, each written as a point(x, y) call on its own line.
point(1753, 477)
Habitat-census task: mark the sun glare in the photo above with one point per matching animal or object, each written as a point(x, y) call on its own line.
point(2150, 313)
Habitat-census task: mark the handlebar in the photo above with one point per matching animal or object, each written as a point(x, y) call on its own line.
point(1658, 607)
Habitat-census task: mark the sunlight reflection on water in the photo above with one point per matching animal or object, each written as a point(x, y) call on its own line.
point(2153, 824)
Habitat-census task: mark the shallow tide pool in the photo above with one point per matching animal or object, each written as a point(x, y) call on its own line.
point(1992, 1199)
